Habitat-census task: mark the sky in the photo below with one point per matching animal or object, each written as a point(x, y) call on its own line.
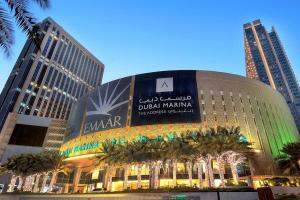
point(138, 36)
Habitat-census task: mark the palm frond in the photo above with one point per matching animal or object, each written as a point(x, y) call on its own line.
point(6, 32)
point(43, 3)
point(25, 19)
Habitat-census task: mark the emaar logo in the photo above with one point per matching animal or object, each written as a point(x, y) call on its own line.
point(108, 101)
point(164, 84)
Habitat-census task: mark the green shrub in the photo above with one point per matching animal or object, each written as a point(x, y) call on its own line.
point(278, 181)
point(240, 183)
point(191, 189)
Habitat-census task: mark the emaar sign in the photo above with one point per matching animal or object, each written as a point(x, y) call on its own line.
point(107, 106)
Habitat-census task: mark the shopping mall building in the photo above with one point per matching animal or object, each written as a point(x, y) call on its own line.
point(161, 103)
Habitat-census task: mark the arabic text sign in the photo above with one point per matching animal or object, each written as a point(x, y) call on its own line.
point(165, 97)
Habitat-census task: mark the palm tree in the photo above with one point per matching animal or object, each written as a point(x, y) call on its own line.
point(201, 143)
point(234, 159)
point(18, 10)
point(109, 158)
point(289, 160)
point(199, 171)
point(222, 140)
point(154, 155)
point(23, 165)
point(146, 151)
point(220, 144)
point(176, 149)
point(228, 146)
point(53, 162)
point(134, 153)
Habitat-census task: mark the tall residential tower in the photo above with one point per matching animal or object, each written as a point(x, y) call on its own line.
point(267, 61)
point(41, 89)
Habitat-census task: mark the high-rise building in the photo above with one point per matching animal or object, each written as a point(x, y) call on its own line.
point(267, 61)
point(41, 89)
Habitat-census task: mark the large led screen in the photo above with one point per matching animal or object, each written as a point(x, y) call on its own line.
point(28, 135)
point(165, 97)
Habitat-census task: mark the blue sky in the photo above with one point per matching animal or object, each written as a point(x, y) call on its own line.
point(137, 36)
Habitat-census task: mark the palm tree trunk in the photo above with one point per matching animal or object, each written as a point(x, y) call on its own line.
point(210, 171)
point(110, 182)
point(206, 175)
point(36, 184)
point(12, 183)
point(53, 179)
point(174, 164)
point(155, 177)
point(106, 178)
point(125, 186)
point(153, 174)
point(21, 183)
point(28, 183)
point(200, 175)
point(156, 173)
point(221, 172)
point(234, 173)
point(190, 171)
point(250, 178)
point(44, 183)
point(139, 176)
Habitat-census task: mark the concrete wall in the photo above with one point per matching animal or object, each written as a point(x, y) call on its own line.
point(278, 190)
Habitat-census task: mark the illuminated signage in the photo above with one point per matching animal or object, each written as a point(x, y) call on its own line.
point(81, 148)
point(107, 106)
point(165, 97)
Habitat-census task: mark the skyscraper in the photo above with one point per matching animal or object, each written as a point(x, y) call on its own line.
point(267, 61)
point(41, 89)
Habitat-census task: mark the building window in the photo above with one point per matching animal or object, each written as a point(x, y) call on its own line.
point(53, 79)
point(36, 71)
point(55, 105)
point(71, 86)
point(51, 49)
point(58, 80)
point(62, 54)
point(58, 51)
point(47, 46)
point(67, 55)
point(50, 104)
point(60, 106)
point(48, 76)
point(63, 82)
point(72, 63)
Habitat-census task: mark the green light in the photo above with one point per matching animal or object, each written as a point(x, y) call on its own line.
point(179, 196)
